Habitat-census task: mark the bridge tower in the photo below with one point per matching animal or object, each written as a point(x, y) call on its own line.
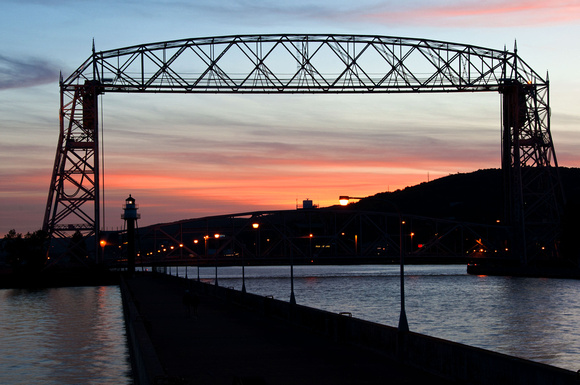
point(73, 205)
point(533, 195)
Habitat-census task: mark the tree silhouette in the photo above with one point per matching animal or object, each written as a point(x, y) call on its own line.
point(25, 253)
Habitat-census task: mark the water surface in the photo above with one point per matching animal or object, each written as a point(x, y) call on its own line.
point(72, 335)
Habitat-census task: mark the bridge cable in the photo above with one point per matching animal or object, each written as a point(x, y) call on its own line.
point(103, 225)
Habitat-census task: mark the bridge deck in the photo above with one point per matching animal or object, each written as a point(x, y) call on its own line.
point(231, 344)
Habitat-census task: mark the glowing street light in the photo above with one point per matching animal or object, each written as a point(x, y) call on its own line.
point(403, 324)
point(205, 238)
point(195, 242)
point(216, 236)
point(255, 226)
point(344, 200)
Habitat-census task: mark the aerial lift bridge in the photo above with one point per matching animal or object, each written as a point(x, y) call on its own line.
point(314, 64)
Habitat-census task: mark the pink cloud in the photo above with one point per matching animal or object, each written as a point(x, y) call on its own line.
point(22, 204)
point(484, 14)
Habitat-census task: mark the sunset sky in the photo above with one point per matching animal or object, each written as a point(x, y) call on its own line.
point(186, 156)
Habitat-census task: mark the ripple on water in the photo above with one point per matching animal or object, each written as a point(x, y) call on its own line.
point(63, 336)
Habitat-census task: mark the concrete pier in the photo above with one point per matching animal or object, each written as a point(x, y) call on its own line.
point(246, 339)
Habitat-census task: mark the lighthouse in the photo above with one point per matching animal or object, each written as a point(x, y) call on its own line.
point(130, 216)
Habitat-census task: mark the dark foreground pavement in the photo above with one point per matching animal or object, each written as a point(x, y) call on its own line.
point(230, 344)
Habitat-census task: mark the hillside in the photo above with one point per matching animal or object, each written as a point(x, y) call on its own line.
point(474, 197)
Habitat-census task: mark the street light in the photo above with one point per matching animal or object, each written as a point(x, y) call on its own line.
point(205, 238)
point(181, 257)
point(255, 226)
point(403, 324)
point(103, 243)
point(216, 236)
point(195, 242)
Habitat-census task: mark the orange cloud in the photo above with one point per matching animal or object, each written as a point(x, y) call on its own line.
point(178, 194)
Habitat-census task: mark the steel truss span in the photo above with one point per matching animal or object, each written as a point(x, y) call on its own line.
point(312, 64)
point(302, 63)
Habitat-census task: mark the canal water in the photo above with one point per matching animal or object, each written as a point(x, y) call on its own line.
point(77, 336)
point(72, 335)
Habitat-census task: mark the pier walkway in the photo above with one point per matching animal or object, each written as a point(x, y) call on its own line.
point(230, 344)
point(246, 339)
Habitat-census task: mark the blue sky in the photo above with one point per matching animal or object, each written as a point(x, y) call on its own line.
point(192, 155)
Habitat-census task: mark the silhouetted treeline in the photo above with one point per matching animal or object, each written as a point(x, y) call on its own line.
point(25, 253)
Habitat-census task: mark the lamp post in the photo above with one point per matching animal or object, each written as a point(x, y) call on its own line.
point(403, 324)
point(217, 236)
point(255, 226)
point(292, 296)
point(205, 238)
point(196, 241)
point(181, 257)
point(170, 253)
